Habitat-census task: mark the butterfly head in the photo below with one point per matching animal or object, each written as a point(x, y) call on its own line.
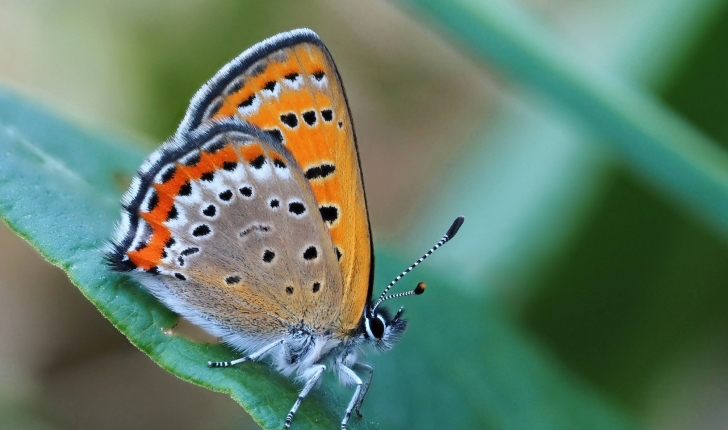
point(381, 329)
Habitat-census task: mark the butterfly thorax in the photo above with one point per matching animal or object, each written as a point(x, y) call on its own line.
point(302, 347)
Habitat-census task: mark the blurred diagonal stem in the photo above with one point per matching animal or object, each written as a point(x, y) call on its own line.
point(655, 142)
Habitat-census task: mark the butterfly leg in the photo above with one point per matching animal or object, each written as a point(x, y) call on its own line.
point(317, 372)
point(365, 387)
point(254, 356)
point(358, 395)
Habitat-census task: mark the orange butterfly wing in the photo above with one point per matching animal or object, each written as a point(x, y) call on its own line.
point(289, 86)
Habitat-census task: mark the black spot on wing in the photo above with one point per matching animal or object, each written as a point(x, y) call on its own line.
point(226, 195)
point(247, 102)
point(268, 255)
point(201, 230)
point(153, 201)
point(169, 174)
point(210, 211)
point(277, 134)
point(185, 189)
point(310, 253)
point(172, 214)
point(229, 165)
point(309, 117)
point(279, 163)
point(329, 213)
point(327, 115)
point(290, 119)
point(258, 162)
point(232, 280)
point(321, 171)
point(296, 208)
point(261, 228)
point(190, 251)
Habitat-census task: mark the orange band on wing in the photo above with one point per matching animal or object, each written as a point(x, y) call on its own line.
point(149, 255)
point(251, 152)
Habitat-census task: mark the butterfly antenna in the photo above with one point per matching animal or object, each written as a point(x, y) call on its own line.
point(421, 286)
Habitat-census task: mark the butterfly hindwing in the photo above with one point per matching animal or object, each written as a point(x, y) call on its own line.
point(223, 227)
point(289, 87)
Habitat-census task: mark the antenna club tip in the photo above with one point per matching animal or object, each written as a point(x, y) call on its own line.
point(455, 226)
point(420, 288)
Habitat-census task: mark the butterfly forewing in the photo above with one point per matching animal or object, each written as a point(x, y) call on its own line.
point(289, 87)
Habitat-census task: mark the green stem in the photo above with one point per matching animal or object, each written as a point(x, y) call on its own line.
point(654, 141)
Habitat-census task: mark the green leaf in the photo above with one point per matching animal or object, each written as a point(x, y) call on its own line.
point(462, 364)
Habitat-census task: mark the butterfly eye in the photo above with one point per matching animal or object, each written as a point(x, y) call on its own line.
point(376, 327)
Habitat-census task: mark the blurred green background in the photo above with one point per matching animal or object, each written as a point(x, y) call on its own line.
point(612, 278)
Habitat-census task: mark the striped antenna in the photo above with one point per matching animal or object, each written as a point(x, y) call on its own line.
point(419, 289)
point(421, 286)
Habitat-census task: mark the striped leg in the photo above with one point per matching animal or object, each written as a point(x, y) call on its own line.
point(355, 400)
point(254, 356)
point(306, 388)
point(365, 387)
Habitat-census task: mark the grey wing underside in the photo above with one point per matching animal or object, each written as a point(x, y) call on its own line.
point(266, 263)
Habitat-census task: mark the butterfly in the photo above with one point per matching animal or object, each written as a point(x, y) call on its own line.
point(251, 220)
